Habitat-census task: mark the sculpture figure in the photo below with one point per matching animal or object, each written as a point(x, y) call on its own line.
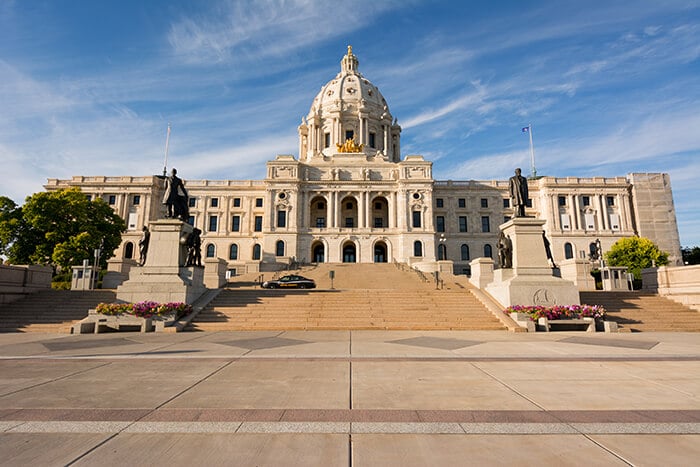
point(548, 251)
point(194, 248)
point(505, 251)
point(518, 193)
point(143, 245)
point(175, 197)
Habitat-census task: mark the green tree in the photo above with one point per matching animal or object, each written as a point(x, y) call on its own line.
point(636, 253)
point(691, 255)
point(61, 228)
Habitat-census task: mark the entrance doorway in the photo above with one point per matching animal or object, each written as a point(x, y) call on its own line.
point(380, 252)
point(319, 253)
point(349, 253)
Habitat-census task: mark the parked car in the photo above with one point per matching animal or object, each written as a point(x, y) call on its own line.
point(291, 281)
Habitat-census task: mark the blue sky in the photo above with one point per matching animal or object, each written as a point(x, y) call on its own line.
point(88, 87)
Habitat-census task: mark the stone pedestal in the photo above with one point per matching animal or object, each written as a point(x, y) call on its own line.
point(164, 278)
point(214, 272)
point(117, 272)
point(578, 271)
point(530, 281)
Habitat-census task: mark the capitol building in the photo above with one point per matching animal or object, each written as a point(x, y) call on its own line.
point(350, 196)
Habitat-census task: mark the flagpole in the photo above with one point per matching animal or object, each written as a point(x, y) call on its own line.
point(167, 142)
point(533, 170)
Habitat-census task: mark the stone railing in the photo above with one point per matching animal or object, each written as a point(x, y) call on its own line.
point(18, 281)
point(679, 283)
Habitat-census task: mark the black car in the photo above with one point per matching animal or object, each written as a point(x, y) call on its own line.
point(291, 281)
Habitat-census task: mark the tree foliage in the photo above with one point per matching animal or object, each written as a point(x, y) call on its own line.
point(61, 228)
point(691, 255)
point(636, 253)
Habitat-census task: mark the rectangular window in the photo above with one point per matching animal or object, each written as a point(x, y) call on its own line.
point(484, 203)
point(320, 222)
point(349, 222)
point(192, 202)
point(327, 140)
point(610, 200)
point(485, 224)
point(133, 220)
point(462, 202)
point(349, 134)
point(372, 140)
point(258, 202)
point(416, 219)
point(439, 202)
point(213, 221)
point(236, 224)
point(614, 222)
point(89, 197)
point(190, 220)
point(258, 224)
point(236, 202)
point(586, 200)
point(506, 202)
point(590, 221)
point(215, 202)
point(137, 200)
point(440, 223)
point(462, 223)
point(378, 223)
point(562, 200)
point(565, 222)
point(281, 218)
point(112, 200)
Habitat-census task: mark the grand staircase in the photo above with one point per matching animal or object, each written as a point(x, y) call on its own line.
point(364, 296)
point(51, 310)
point(640, 311)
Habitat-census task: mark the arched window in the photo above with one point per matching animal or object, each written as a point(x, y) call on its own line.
point(233, 252)
point(211, 250)
point(568, 250)
point(593, 250)
point(128, 250)
point(487, 251)
point(256, 251)
point(279, 248)
point(417, 248)
point(464, 250)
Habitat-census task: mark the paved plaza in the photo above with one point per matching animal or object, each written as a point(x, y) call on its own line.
point(340, 398)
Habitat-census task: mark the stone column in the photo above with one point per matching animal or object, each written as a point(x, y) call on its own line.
point(577, 213)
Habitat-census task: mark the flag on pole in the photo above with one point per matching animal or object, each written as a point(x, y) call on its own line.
point(526, 129)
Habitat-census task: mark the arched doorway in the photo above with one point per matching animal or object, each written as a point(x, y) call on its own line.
point(380, 252)
point(128, 250)
point(442, 252)
point(348, 213)
point(380, 213)
point(319, 253)
point(349, 253)
point(318, 210)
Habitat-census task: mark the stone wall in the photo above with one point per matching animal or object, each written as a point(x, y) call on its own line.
point(19, 281)
point(679, 283)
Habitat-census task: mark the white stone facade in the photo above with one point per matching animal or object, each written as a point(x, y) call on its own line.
point(351, 197)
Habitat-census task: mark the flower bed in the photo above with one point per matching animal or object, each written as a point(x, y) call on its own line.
point(146, 309)
point(559, 311)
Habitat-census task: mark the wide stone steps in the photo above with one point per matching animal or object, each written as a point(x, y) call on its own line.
point(641, 311)
point(345, 309)
point(51, 310)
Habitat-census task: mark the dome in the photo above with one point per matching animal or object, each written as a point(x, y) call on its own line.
point(349, 114)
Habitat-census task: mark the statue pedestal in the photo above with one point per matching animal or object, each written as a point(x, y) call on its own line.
point(164, 278)
point(530, 281)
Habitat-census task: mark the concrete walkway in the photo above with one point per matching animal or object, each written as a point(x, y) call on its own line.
point(359, 398)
